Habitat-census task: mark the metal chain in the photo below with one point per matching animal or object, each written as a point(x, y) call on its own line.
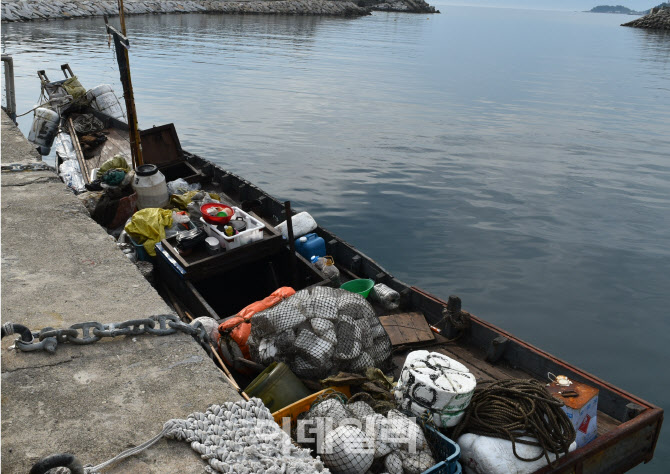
point(38, 166)
point(92, 331)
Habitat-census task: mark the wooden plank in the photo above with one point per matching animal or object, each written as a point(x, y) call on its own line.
point(116, 144)
point(407, 328)
point(77, 150)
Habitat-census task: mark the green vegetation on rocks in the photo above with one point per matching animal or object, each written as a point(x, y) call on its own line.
point(611, 9)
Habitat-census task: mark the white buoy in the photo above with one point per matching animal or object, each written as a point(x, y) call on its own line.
point(434, 383)
point(44, 129)
point(104, 99)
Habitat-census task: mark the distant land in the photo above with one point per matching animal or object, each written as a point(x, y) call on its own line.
point(624, 10)
point(612, 9)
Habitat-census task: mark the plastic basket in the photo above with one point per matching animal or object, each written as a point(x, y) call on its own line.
point(301, 406)
point(141, 252)
point(445, 449)
point(253, 233)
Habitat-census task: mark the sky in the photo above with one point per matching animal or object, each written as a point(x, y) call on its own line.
point(571, 5)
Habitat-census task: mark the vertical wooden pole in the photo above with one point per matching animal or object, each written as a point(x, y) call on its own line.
point(291, 244)
point(135, 142)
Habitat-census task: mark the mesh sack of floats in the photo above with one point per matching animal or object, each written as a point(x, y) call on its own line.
point(320, 332)
point(351, 438)
point(235, 331)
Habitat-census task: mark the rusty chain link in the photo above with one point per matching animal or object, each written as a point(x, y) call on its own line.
point(90, 332)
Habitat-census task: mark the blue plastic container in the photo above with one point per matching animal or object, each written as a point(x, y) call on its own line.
point(444, 450)
point(142, 254)
point(311, 245)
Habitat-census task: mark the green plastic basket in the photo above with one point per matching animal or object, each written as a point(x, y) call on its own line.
point(361, 286)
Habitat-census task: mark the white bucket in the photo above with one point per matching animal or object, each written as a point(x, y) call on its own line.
point(434, 383)
point(151, 188)
point(44, 129)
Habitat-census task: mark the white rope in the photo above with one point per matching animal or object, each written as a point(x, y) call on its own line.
point(235, 437)
point(126, 453)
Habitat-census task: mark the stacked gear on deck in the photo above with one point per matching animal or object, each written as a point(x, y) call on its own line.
point(513, 425)
point(351, 438)
point(319, 332)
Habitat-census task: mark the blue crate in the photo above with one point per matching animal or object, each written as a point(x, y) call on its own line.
point(445, 449)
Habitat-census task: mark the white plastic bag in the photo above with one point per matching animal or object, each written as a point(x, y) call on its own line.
point(303, 223)
point(180, 186)
point(71, 175)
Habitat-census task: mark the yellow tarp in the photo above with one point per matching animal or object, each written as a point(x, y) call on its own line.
point(182, 200)
point(147, 227)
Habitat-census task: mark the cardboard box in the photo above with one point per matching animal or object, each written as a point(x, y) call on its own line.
point(582, 409)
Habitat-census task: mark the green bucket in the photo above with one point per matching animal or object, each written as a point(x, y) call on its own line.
point(278, 387)
point(361, 286)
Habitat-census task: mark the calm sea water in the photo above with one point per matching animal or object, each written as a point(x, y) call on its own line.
point(519, 159)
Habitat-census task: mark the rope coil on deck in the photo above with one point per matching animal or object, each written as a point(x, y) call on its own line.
point(516, 409)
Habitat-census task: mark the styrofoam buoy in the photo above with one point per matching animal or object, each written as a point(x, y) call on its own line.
point(104, 99)
point(434, 383)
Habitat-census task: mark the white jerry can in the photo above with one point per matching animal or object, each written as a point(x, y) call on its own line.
point(104, 99)
point(44, 129)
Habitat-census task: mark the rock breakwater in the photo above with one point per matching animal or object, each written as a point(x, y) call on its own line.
point(406, 6)
point(657, 19)
point(26, 10)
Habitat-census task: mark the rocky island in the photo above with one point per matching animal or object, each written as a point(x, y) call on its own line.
point(657, 19)
point(26, 10)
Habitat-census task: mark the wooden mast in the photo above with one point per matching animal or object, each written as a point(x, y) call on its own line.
point(121, 44)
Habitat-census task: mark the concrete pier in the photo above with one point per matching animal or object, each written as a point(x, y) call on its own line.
point(94, 401)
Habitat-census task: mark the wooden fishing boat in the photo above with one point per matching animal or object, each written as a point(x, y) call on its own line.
point(628, 427)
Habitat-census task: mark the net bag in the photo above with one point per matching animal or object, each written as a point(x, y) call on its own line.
point(320, 332)
point(235, 331)
point(351, 438)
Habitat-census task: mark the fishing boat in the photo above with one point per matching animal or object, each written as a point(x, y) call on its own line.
point(628, 427)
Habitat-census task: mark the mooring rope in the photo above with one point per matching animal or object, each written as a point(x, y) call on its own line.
point(512, 409)
point(233, 437)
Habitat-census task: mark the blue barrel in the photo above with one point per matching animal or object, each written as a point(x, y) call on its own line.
point(311, 245)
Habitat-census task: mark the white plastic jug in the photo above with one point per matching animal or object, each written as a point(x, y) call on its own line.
point(151, 188)
point(44, 128)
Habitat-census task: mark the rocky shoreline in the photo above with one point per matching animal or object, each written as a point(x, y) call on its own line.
point(657, 19)
point(28, 10)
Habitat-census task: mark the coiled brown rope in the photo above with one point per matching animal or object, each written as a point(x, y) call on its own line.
point(511, 409)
